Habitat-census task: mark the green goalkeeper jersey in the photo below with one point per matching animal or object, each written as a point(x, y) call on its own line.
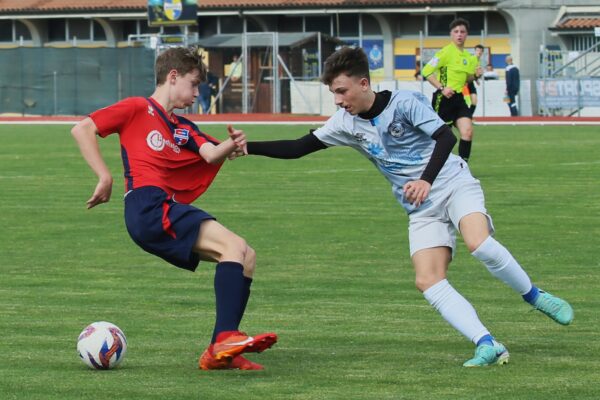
point(452, 67)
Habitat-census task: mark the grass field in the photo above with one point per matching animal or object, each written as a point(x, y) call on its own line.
point(334, 278)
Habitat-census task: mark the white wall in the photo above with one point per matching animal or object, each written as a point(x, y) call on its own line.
point(490, 93)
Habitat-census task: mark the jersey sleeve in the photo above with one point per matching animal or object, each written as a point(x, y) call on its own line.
point(473, 64)
point(196, 137)
point(113, 118)
point(332, 133)
point(436, 62)
point(418, 113)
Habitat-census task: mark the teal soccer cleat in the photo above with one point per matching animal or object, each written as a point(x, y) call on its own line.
point(488, 355)
point(554, 307)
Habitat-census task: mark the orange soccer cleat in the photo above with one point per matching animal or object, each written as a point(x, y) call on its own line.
point(226, 352)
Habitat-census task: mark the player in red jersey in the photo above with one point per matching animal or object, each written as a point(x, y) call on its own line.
point(168, 163)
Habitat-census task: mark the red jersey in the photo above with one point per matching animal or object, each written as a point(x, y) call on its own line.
point(158, 149)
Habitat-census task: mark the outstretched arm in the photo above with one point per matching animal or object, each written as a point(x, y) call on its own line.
point(217, 154)
point(287, 149)
point(85, 135)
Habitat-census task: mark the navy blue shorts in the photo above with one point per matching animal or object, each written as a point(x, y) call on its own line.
point(164, 227)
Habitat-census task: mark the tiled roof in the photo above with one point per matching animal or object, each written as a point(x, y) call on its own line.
point(139, 5)
point(576, 23)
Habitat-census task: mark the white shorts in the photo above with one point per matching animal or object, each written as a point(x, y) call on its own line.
point(436, 225)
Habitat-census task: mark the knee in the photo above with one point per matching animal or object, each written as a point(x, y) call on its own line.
point(473, 243)
point(424, 282)
point(467, 133)
point(235, 249)
point(249, 262)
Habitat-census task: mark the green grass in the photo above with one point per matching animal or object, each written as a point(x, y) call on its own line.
point(334, 278)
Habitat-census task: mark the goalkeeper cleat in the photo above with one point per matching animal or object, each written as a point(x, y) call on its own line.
point(554, 307)
point(488, 355)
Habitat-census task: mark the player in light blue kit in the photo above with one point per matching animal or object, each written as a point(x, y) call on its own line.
point(411, 146)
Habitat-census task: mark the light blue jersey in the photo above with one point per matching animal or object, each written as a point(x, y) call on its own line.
point(398, 141)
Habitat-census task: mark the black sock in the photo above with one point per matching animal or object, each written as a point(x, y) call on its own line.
point(464, 149)
point(229, 296)
point(472, 109)
point(245, 297)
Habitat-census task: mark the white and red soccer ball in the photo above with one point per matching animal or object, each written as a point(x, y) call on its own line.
point(102, 345)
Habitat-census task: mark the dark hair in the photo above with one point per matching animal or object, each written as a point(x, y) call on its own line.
point(480, 46)
point(458, 22)
point(348, 60)
point(182, 59)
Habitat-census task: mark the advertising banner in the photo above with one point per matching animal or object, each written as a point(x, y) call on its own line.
point(568, 93)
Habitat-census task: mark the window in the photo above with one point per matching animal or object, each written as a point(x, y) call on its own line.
point(410, 24)
point(496, 24)
point(231, 24)
point(584, 42)
point(252, 25)
point(207, 26)
point(98, 31)
point(439, 25)
point(6, 31)
point(128, 28)
point(318, 24)
point(144, 28)
point(289, 24)
point(79, 28)
point(21, 31)
point(370, 26)
point(476, 22)
point(346, 25)
point(56, 30)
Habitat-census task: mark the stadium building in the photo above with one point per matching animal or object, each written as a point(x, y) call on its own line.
point(399, 36)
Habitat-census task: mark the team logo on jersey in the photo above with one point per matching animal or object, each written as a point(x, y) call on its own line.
point(150, 110)
point(181, 136)
point(396, 130)
point(155, 141)
point(464, 61)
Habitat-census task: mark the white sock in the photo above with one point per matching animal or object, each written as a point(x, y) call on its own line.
point(456, 310)
point(503, 265)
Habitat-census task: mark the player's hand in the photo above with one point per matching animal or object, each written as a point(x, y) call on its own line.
point(101, 193)
point(238, 136)
point(478, 72)
point(236, 153)
point(416, 191)
point(448, 92)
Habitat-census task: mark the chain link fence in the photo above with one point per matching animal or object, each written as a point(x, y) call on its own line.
point(72, 81)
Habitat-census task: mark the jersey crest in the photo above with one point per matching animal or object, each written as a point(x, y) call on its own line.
point(396, 129)
point(181, 136)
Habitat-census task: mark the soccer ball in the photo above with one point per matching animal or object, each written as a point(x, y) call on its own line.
point(102, 345)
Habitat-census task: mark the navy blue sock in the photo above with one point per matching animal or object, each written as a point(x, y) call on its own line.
point(487, 339)
point(532, 295)
point(245, 297)
point(229, 296)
